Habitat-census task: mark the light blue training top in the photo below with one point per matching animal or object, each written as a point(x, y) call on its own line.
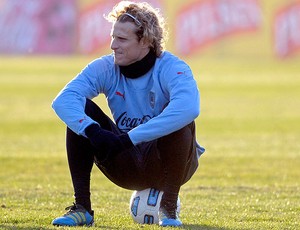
point(156, 104)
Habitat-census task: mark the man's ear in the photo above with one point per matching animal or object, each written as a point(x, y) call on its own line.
point(145, 43)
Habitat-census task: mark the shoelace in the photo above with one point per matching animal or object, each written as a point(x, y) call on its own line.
point(71, 209)
point(76, 213)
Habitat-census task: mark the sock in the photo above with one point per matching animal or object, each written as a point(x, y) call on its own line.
point(170, 194)
point(85, 203)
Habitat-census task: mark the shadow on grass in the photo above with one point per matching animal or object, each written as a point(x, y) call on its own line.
point(22, 228)
point(201, 227)
point(185, 226)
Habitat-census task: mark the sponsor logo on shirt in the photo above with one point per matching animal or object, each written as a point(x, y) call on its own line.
point(126, 123)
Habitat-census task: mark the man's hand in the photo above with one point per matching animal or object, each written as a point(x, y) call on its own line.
point(107, 141)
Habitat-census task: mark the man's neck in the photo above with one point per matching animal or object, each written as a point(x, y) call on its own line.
point(139, 68)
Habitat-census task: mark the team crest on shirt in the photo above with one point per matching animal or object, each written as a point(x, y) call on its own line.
point(152, 99)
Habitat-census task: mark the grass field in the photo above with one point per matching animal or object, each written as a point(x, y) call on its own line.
point(247, 179)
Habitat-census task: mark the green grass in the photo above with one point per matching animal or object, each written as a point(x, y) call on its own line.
point(247, 179)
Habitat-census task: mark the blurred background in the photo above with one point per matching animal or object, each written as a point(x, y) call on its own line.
point(245, 57)
point(197, 28)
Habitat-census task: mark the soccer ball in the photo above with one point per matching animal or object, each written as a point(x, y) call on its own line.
point(144, 206)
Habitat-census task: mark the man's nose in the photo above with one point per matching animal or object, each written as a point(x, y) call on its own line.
point(113, 44)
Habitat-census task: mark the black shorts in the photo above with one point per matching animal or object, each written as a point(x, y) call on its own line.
point(143, 166)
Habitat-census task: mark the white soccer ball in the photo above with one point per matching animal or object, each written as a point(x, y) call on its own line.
point(144, 206)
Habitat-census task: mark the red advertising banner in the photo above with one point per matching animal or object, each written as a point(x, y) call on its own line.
point(35, 26)
point(287, 30)
point(93, 29)
point(204, 22)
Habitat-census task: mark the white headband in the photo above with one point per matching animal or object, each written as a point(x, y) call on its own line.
point(134, 18)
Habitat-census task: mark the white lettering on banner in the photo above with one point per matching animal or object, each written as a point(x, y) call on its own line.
point(206, 21)
point(287, 30)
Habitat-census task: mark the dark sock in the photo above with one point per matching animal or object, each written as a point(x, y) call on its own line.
point(85, 203)
point(169, 204)
point(168, 199)
point(170, 194)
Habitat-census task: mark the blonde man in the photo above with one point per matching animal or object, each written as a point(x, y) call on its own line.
point(154, 100)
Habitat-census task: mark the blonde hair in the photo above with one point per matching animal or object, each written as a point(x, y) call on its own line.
point(150, 24)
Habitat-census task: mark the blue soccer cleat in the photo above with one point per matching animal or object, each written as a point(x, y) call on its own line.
point(168, 217)
point(76, 216)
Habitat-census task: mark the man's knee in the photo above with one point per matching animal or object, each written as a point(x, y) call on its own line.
point(182, 136)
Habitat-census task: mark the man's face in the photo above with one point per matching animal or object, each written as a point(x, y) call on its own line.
point(125, 44)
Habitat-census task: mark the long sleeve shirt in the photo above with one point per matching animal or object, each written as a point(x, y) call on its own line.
point(156, 104)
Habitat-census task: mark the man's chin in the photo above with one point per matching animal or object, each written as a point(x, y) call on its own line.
point(120, 63)
point(117, 61)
